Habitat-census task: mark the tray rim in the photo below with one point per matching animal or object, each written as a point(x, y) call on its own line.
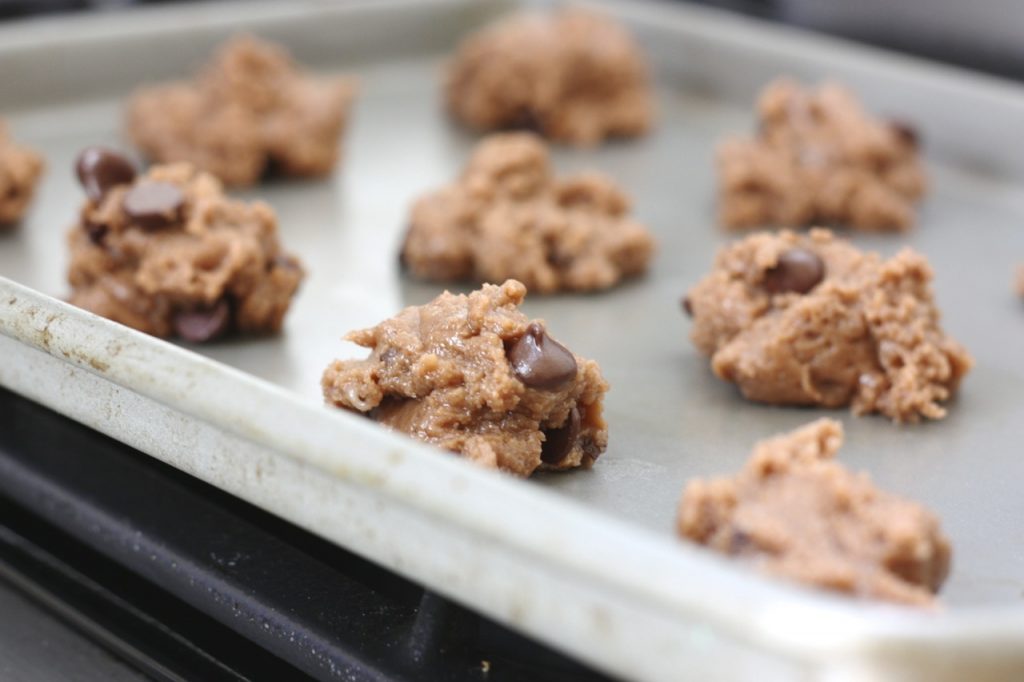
point(130, 360)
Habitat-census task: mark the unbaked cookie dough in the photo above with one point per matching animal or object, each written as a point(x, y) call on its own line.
point(170, 255)
point(573, 76)
point(250, 111)
point(20, 169)
point(793, 511)
point(819, 158)
point(508, 217)
point(810, 320)
point(472, 374)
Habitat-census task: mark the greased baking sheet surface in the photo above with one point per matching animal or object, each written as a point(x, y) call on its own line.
point(669, 418)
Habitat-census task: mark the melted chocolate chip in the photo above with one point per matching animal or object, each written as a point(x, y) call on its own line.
point(541, 362)
point(906, 132)
point(153, 204)
point(558, 443)
point(687, 306)
point(203, 324)
point(797, 270)
point(99, 169)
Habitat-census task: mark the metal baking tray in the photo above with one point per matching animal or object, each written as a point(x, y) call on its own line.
point(586, 561)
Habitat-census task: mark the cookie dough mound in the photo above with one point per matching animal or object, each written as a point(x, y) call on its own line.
point(508, 217)
point(819, 158)
point(793, 511)
point(473, 375)
point(249, 111)
point(810, 320)
point(170, 255)
point(572, 76)
point(20, 169)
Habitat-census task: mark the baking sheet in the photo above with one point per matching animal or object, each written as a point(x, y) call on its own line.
point(669, 418)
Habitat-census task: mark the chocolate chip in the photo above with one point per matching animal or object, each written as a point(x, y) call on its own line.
point(203, 324)
point(687, 306)
point(99, 169)
point(541, 362)
point(797, 270)
point(96, 231)
point(906, 132)
point(153, 204)
point(558, 443)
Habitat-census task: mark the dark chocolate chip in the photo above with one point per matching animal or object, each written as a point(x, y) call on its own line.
point(687, 306)
point(99, 169)
point(203, 324)
point(798, 270)
point(153, 204)
point(558, 443)
point(96, 231)
point(541, 362)
point(906, 132)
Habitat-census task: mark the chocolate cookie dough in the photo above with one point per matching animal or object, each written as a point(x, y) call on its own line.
point(170, 255)
point(810, 320)
point(793, 511)
point(819, 158)
point(473, 375)
point(572, 76)
point(509, 217)
point(20, 169)
point(249, 111)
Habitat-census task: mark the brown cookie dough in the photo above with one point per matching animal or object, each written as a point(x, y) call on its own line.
point(793, 511)
point(572, 76)
point(473, 375)
point(509, 217)
point(810, 320)
point(20, 169)
point(249, 111)
point(169, 254)
point(819, 158)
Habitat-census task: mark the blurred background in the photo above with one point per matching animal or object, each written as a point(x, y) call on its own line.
point(983, 34)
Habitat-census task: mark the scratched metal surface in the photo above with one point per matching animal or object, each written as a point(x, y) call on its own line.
point(669, 418)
